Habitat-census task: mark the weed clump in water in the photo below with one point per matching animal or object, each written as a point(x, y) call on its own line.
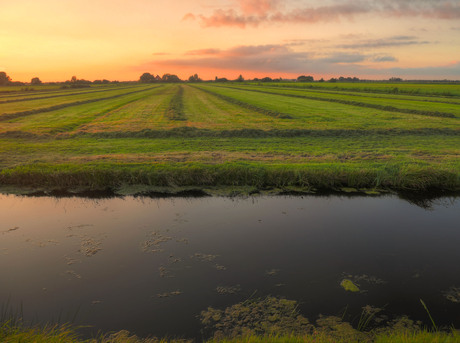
point(260, 317)
point(348, 285)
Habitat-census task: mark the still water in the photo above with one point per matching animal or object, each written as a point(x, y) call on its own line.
point(151, 266)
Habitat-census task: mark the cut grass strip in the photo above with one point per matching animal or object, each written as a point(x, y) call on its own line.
point(451, 90)
point(65, 94)
point(248, 106)
point(354, 103)
point(358, 94)
point(188, 132)
point(175, 110)
point(9, 116)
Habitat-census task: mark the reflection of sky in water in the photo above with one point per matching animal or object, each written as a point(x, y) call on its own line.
point(151, 266)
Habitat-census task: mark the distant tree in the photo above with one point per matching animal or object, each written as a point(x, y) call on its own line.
point(147, 78)
point(348, 79)
point(240, 78)
point(76, 83)
point(321, 80)
point(333, 79)
point(36, 81)
point(395, 79)
point(4, 79)
point(194, 78)
point(170, 78)
point(222, 79)
point(304, 78)
point(267, 79)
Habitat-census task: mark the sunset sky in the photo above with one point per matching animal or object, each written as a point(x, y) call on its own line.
point(121, 39)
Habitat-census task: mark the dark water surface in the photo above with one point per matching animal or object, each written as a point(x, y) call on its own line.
point(151, 266)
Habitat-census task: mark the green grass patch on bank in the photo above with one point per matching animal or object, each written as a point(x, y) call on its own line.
point(66, 334)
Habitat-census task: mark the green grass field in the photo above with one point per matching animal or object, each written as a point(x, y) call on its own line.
point(288, 136)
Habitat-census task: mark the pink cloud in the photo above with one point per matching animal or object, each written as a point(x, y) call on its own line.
point(203, 52)
point(256, 12)
point(188, 16)
point(228, 18)
point(258, 7)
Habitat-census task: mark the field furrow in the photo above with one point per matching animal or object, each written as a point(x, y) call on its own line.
point(175, 110)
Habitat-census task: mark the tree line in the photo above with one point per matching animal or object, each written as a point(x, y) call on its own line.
point(150, 78)
point(73, 82)
point(146, 77)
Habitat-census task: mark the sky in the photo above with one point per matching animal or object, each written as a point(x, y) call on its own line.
point(121, 39)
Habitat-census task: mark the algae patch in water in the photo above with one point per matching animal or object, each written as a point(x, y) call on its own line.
point(453, 294)
point(228, 289)
point(258, 316)
point(348, 285)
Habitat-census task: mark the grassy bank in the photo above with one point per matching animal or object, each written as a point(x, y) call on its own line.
point(65, 334)
point(256, 136)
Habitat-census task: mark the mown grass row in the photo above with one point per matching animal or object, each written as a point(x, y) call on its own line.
point(313, 176)
point(354, 103)
point(191, 132)
point(175, 110)
point(14, 115)
point(416, 89)
point(358, 94)
point(248, 106)
point(63, 94)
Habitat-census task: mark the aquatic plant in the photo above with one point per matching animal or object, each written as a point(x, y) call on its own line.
point(348, 285)
point(429, 315)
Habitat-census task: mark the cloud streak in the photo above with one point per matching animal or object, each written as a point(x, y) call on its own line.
point(396, 41)
point(257, 12)
point(282, 60)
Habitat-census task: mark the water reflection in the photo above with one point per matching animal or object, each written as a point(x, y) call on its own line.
point(152, 265)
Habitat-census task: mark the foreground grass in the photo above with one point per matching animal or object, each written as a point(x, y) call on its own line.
point(65, 334)
point(412, 162)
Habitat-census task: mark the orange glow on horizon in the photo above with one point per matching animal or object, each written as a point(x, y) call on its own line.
point(117, 40)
